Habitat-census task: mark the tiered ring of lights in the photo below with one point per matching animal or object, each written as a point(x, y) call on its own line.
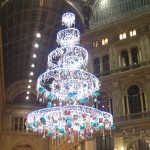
point(68, 86)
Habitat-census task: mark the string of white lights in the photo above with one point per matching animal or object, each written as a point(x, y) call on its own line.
point(67, 85)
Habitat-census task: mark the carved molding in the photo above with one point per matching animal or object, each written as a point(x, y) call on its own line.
point(138, 133)
point(125, 84)
point(139, 82)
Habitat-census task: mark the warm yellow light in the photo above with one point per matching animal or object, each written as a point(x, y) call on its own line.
point(122, 148)
point(132, 32)
point(104, 41)
point(120, 37)
point(124, 35)
point(96, 44)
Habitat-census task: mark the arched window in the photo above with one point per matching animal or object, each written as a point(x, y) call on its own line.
point(125, 58)
point(96, 64)
point(134, 99)
point(106, 66)
point(103, 102)
point(134, 53)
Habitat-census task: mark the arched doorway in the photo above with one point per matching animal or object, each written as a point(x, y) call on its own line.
point(22, 147)
point(140, 144)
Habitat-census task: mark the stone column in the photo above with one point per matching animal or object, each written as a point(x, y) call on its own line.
point(127, 100)
point(139, 55)
point(116, 96)
point(109, 106)
point(123, 105)
point(146, 103)
point(2, 89)
point(23, 125)
point(145, 44)
point(13, 122)
point(89, 145)
point(130, 58)
point(113, 57)
point(119, 61)
point(97, 105)
point(18, 123)
point(101, 66)
point(90, 63)
point(10, 122)
point(79, 147)
point(141, 99)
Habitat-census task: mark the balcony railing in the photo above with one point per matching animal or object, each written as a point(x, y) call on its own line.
point(143, 116)
point(125, 68)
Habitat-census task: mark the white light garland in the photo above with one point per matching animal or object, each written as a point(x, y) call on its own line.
point(74, 119)
point(68, 19)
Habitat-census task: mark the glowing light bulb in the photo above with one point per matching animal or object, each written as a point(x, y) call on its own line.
point(32, 65)
point(38, 35)
point(30, 81)
point(95, 100)
point(29, 86)
point(36, 45)
point(27, 97)
point(31, 73)
point(34, 55)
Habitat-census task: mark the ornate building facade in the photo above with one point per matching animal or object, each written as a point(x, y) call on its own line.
point(117, 37)
point(118, 55)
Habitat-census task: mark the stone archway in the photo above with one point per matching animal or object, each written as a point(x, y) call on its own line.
point(139, 144)
point(137, 139)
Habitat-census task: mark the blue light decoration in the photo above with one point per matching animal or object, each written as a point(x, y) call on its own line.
point(68, 85)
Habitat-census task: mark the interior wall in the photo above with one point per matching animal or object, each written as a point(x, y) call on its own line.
point(1, 80)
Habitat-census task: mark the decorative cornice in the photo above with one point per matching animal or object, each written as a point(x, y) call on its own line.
point(129, 134)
